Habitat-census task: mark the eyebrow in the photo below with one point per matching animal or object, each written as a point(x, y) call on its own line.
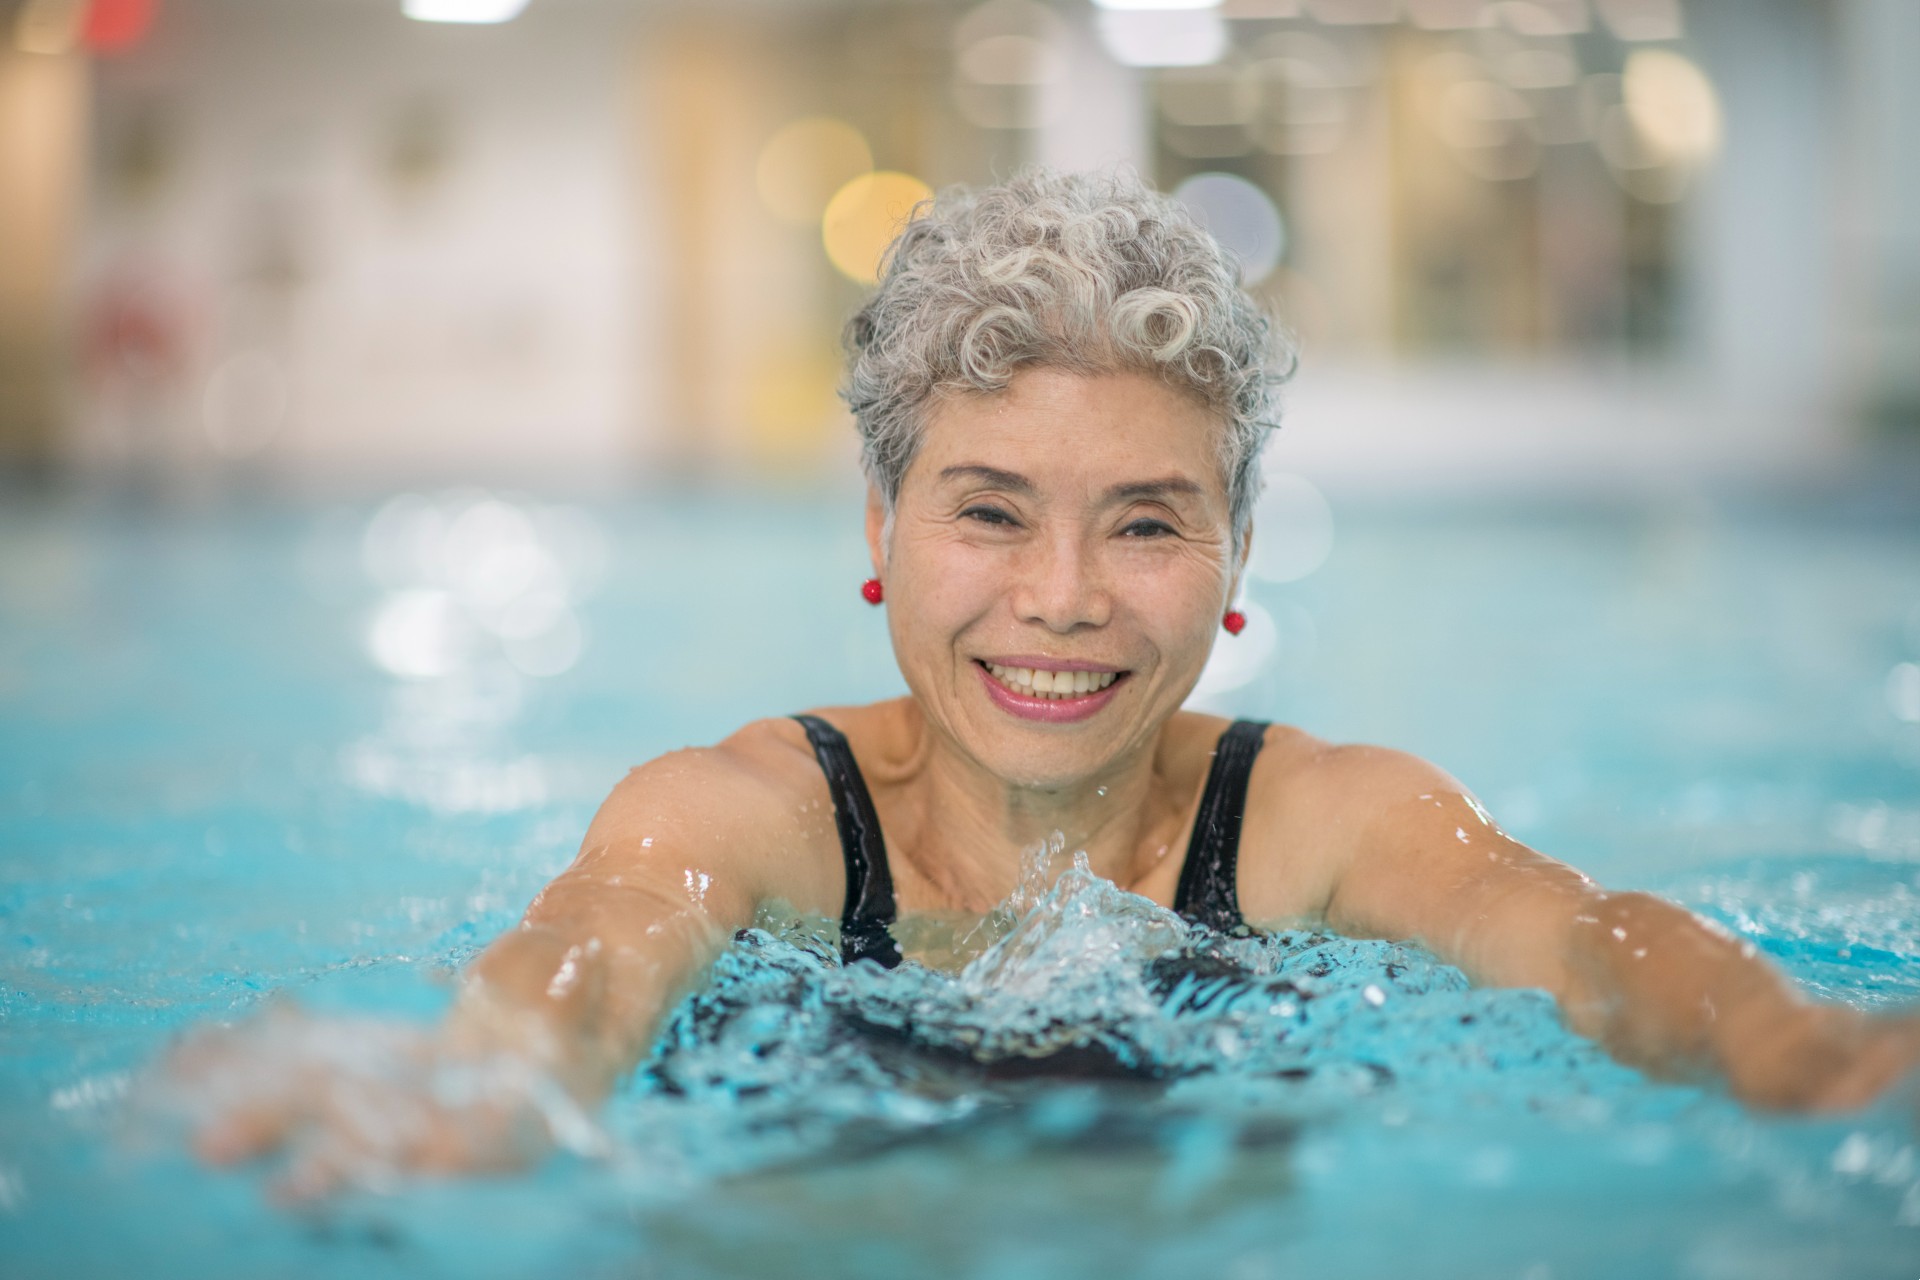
point(1171, 486)
point(1131, 491)
point(999, 479)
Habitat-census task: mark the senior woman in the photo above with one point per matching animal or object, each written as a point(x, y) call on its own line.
point(1062, 395)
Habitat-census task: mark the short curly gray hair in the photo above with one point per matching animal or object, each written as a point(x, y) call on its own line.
point(1091, 272)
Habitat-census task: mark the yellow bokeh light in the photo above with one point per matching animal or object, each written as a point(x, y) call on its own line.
point(863, 218)
point(792, 405)
point(805, 162)
point(1672, 105)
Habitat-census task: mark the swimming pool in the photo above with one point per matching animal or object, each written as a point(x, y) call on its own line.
point(331, 750)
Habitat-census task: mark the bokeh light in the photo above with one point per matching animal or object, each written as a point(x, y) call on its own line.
point(475, 12)
point(1544, 17)
point(863, 218)
point(1292, 529)
point(548, 651)
point(1488, 126)
point(1353, 13)
point(1672, 105)
point(115, 26)
point(1903, 692)
point(420, 635)
point(997, 81)
point(1635, 20)
point(1006, 53)
point(996, 18)
point(1163, 37)
point(792, 396)
point(805, 162)
point(1207, 112)
point(473, 578)
point(1009, 60)
point(1305, 80)
point(1446, 15)
point(1528, 47)
point(1135, 6)
point(1241, 216)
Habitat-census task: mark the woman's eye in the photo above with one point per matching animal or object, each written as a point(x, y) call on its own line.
point(988, 515)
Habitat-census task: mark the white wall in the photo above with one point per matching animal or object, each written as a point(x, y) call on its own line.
point(481, 317)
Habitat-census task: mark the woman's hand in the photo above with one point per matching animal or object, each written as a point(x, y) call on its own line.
point(363, 1102)
point(1810, 1057)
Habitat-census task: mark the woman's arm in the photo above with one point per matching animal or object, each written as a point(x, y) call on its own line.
point(1659, 987)
point(678, 858)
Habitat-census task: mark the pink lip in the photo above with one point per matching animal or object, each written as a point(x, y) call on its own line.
point(1050, 710)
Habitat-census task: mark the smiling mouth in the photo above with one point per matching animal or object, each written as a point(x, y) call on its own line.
point(1052, 686)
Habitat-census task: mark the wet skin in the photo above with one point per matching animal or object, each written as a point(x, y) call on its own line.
point(1068, 523)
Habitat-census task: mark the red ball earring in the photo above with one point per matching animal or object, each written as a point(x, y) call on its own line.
point(870, 591)
point(1234, 622)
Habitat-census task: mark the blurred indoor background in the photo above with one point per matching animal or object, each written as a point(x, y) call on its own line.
point(368, 243)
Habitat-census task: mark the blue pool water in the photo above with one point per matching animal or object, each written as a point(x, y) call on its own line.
point(331, 751)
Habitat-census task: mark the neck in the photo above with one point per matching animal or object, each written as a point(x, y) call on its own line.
point(973, 828)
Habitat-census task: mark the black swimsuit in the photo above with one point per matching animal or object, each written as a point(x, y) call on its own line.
point(1208, 894)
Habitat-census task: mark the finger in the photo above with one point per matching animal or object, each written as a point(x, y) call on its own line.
point(247, 1132)
point(249, 1104)
point(315, 1174)
point(343, 1151)
point(485, 1139)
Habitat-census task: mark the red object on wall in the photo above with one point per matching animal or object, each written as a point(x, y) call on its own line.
point(114, 26)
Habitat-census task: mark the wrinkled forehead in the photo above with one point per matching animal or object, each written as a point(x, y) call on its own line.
point(1060, 428)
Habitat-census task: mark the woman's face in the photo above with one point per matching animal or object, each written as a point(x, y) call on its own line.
point(1072, 525)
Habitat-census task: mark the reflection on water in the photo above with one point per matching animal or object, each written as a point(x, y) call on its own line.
point(480, 598)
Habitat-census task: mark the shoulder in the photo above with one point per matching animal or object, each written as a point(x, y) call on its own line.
point(1303, 768)
point(772, 761)
point(1312, 804)
point(1348, 774)
point(766, 762)
point(754, 804)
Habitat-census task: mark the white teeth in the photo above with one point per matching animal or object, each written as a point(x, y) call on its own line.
point(1051, 685)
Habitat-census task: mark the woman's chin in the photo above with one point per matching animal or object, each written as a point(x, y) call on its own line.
point(1040, 770)
point(1025, 746)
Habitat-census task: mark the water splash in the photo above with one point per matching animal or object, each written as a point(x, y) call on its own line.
point(1089, 1012)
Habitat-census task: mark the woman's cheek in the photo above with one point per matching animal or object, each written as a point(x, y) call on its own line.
point(1181, 593)
point(944, 590)
point(959, 581)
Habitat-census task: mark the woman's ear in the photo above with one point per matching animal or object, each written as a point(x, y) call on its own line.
point(876, 530)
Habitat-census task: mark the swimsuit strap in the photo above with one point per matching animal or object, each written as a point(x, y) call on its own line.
point(1209, 890)
point(870, 906)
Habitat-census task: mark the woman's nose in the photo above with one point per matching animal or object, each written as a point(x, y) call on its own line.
point(1061, 587)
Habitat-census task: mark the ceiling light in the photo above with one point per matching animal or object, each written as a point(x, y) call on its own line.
point(468, 11)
